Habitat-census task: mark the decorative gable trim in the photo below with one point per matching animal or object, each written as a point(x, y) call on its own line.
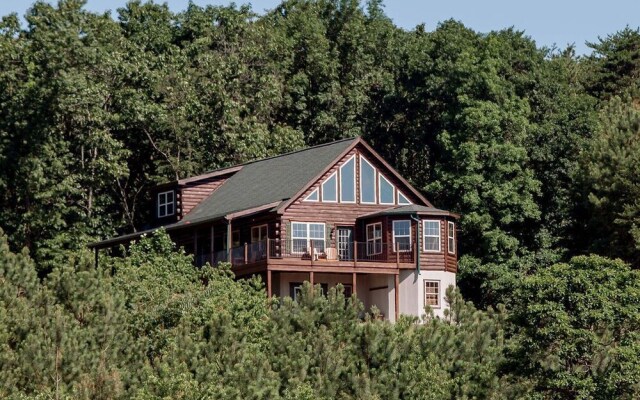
point(391, 171)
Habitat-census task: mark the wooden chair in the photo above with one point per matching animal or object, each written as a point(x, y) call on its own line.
point(332, 253)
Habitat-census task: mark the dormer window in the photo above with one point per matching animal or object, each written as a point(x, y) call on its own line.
point(166, 204)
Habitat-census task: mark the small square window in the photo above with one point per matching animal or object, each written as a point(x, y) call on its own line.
point(432, 293)
point(166, 204)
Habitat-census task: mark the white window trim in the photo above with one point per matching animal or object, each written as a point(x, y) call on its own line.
point(373, 239)
point(324, 234)
point(398, 199)
point(173, 203)
point(353, 157)
point(317, 192)
point(259, 227)
point(375, 181)
point(394, 235)
point(335, 174)
point(424, 236)
point(439, 295)
point(393, 188)
point(451, 236)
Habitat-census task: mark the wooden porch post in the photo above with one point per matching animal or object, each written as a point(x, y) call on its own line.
point(397, 288)
point(268, 283)
point(211, 245)
point(311, 278)
point(355, 254)
point(354, 283)
point(229, 239)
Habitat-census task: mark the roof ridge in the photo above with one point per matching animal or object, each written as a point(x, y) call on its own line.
point(298, 151)
point(206, 173)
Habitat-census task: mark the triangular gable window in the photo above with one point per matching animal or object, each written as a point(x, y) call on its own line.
point(367, 182)
point(348, 181)
point(402, 199)
point(313, 196)
point(330, 189)
point(387, 191)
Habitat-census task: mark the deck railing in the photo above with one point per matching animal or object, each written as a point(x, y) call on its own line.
point(314, 250)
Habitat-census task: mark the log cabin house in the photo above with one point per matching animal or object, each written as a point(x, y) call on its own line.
point(329, 214)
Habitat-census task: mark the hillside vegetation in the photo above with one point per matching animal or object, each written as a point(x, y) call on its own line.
point(538, 149)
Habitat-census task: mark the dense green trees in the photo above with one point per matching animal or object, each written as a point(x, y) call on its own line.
point(537, 149)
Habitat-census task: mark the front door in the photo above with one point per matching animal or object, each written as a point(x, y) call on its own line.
point(345, 244)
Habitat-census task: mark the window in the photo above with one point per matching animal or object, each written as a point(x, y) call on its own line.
point(431, 235)
point(258, 233)
point(402, 235)
point(235, 239)
point(348, 181)
point(295, 289)
point(451, 235)
point(304, 234)
point(330, 189)
point(348, 291)
point(386, 190)
point(402, 199)
point(374, 239)
point(432, 293)
point(313, 196)
point(367, 182)
point(165, 204)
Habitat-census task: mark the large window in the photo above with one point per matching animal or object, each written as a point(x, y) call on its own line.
point(305, 234)
point(258, 233)
point(166, 204)
point(348, 181)
point(330, 189)
point(367, 182)
point(432, 293)
point(374, 238)
point(386, 191)
point(402, 235)
point(451, 235)
point(431, 231)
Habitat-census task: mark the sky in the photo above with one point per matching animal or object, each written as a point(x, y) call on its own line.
point(548, 22)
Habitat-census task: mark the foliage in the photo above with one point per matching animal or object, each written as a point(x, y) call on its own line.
point(536, 148)
point(576, 330)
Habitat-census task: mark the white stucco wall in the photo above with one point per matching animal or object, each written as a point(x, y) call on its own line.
point(446, 279)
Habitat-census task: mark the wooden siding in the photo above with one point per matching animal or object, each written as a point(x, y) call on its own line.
point(194, 192)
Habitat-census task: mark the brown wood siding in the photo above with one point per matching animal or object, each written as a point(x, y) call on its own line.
point(194, 192)
point(433, 260)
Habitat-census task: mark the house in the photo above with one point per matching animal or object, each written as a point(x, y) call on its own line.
point(329, 214)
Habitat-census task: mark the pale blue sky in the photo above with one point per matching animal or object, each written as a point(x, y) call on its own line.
point(548, 22)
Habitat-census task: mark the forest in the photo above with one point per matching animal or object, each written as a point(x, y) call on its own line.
point(537, 148)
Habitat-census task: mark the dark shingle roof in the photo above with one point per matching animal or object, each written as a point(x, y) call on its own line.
point(267, 181)
point(409, 209)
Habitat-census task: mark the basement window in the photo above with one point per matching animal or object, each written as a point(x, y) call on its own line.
point(432, 293)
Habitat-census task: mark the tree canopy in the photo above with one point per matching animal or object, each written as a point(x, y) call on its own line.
point(537, 149)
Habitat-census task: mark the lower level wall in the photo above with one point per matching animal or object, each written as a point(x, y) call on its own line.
point(445, 280)
point(378, 290)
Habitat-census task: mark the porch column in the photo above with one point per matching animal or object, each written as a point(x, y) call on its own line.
point(211, 245)
point(353, 283)
point(268, 283)
point(397, 288)
point(311, 278)
point(229, 241)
